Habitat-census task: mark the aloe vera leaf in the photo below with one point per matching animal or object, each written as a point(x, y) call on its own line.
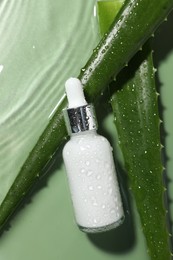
point(133, 25)
point(130, 29)
point(137, 120)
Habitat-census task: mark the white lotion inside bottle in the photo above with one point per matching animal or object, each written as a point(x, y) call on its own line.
point(90, 167)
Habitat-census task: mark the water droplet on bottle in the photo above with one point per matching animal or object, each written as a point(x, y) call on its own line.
point(90, 187)
point(87, 163)
point(103, 139)
point(89, 173)
point(117, 215)
point(112, 211)
point(110, 191)
point(82, 148)
point(95, 221)
point(107, 165)
point(110, 178)
point(116, 199)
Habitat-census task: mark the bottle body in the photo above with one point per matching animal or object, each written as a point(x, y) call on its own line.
point(93, 183)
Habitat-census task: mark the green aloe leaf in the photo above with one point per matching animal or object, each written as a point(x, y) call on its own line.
point(131, 28)
point(135, 106)
point(137, 121)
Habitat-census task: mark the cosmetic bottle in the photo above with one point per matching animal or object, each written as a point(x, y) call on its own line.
point(90, 166)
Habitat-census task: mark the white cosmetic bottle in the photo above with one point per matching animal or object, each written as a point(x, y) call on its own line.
point(90, 166)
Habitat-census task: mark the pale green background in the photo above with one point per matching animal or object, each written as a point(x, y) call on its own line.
point(43, 43)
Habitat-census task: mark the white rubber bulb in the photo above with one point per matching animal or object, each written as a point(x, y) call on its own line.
point(74, 91)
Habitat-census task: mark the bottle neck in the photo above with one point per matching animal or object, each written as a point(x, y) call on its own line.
point(80, 119)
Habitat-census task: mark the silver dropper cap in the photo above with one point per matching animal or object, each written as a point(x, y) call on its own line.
point(79, 116)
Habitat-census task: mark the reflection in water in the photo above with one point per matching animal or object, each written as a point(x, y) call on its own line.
point(39, 50)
